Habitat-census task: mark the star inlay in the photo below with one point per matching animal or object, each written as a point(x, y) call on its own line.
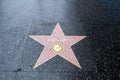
point(57, 44)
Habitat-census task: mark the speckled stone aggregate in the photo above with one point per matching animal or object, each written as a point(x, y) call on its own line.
point(99, 20)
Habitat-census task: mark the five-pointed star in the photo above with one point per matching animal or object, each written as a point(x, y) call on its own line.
point(57, 44)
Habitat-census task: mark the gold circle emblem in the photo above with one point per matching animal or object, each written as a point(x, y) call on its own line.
point(57, 48)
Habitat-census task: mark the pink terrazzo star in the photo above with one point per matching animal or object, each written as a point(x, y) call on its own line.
point(57, 44)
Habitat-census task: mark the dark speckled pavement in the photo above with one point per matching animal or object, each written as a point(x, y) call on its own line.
point(99, 20)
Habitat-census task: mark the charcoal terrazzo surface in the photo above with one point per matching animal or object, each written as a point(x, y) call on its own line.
point(97, 54)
